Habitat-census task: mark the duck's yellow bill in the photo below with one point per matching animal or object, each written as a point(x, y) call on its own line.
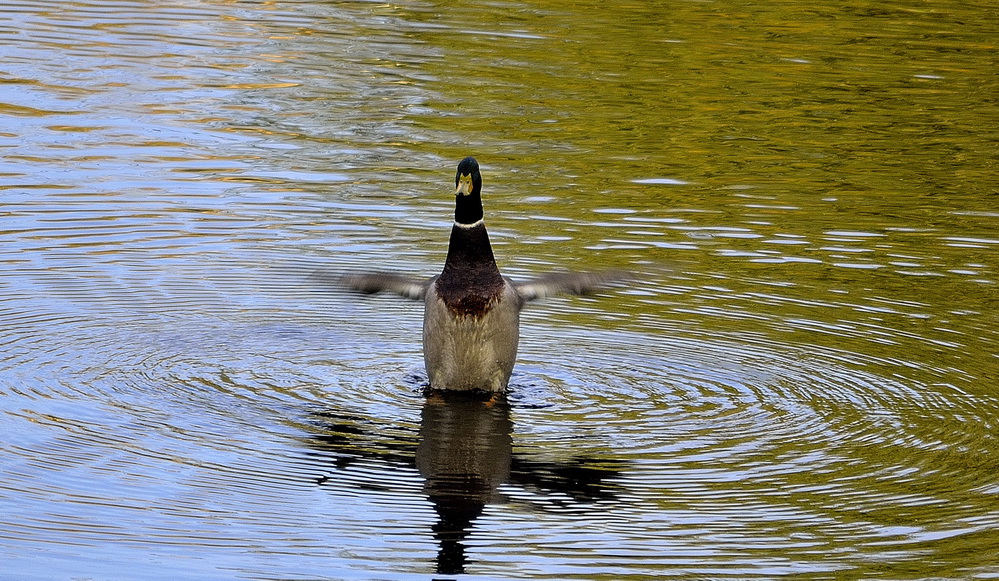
point(464, 185)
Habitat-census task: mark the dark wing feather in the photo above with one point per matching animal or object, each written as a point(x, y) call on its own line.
point(374, 282)
point(575, 283)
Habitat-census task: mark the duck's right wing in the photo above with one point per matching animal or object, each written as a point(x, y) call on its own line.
point(374, 282)
point(574, 283)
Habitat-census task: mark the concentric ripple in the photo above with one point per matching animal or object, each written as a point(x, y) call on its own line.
point(734, 448)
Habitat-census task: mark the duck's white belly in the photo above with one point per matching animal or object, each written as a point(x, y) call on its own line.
point(466, 352)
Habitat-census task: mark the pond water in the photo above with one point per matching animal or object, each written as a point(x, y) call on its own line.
point(801, 383)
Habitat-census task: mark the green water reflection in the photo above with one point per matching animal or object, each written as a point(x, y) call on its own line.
point(818, 175)
point(833, 166)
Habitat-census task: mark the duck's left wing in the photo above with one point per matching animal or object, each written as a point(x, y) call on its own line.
point(575, 283)
point(374, 282)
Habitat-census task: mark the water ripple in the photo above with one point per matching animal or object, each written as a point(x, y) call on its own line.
point(796, 384)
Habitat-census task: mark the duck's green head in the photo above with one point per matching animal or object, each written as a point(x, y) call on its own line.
point(468, 180)
point(467, 185)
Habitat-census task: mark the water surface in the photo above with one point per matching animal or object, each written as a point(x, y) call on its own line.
point(801, 384)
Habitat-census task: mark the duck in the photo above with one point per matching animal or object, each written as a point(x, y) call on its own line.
point(471, 318)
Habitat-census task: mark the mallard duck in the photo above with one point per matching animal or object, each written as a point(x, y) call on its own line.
point(471, 320)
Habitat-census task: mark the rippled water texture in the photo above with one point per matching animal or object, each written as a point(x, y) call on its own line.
point(800, 384)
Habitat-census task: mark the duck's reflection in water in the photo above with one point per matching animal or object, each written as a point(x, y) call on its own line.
point(464, 454)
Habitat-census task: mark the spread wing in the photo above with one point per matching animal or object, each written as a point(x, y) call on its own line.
point(575, 283)
point(374, 282)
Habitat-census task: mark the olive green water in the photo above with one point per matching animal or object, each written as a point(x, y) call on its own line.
point(801, 383)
